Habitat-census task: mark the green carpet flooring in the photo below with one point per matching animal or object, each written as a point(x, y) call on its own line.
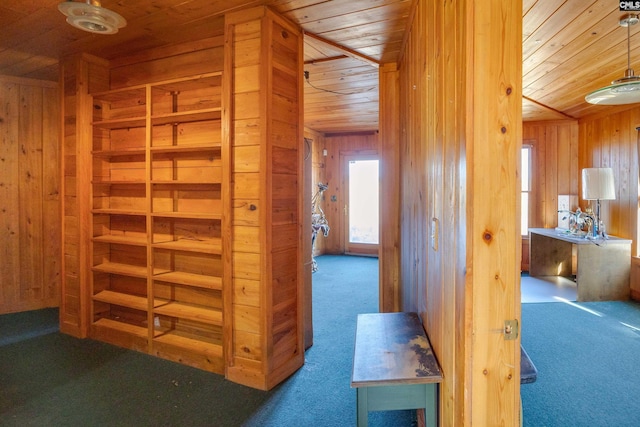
point(587, 358)
point(586, 354)
point(51, 379)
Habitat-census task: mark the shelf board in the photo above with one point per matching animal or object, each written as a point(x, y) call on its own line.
point(122, 94)
point(188, 83)
point(188, 215)
point(187, 245)
point(128, 328)
point(185, 148)
point(190, 279)
point(107, 182)
point(123, 240)
point(187, 116)
point(122, 269)
point(117, 212)
point(189, 312)
point(190, 183)
point(186, 183)
point(203, 347)
point(119, 153)
point(121, 299)
point(131, 122)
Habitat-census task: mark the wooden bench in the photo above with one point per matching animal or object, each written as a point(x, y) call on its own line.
point(394, 366)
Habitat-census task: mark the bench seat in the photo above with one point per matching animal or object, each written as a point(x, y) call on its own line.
point(394, 366)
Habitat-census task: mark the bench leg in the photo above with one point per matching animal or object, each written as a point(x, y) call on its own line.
point(362, 407)
point(431, 405)
point(388, 398)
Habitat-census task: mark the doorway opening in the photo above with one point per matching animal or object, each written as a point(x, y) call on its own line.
point(362, 208)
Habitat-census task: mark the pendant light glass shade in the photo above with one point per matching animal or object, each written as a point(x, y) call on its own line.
point(616, 94)
point(92, 17)
point(625, 90)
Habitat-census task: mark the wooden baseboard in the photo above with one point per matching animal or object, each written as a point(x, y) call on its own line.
point(29, 305)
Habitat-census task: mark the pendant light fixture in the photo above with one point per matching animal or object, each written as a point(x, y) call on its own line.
point(92, 17)
point(625, 90)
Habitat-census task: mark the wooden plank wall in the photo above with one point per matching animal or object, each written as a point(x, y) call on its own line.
point(79, 74)
point(612, 141)
point(264, 56)
point(389, 152)
point(285, 322)
point(246, 348)
point(171, 62)
point(334, 198)
point(30, 217)
point(554, 171)
point(554, 167)
point(494, 135)
point(427, 191)
point(461, 130)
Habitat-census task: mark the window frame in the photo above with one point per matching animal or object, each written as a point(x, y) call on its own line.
point(526, 187)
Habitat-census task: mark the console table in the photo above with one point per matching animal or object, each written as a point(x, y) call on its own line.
point(394, 366)
point(603, 265)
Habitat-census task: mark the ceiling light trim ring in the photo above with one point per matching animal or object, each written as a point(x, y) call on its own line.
point(92, 17)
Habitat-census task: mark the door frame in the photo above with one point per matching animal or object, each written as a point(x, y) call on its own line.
point(362, 249)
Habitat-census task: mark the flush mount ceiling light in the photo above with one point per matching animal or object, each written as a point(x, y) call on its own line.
point(625, 90)
point(92, 17)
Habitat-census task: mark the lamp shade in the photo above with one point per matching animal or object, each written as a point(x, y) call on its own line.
point(597, 184)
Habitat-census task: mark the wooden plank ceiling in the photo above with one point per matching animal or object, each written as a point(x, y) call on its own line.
point(569, 48)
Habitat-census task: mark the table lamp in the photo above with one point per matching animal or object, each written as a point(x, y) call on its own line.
point(597, 184)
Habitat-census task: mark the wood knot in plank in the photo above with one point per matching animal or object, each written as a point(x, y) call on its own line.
point(487, 236)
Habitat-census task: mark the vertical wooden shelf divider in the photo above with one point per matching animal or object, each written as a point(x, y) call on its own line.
point(148, 210)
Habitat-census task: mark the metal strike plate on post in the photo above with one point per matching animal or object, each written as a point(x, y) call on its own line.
point(511, 329)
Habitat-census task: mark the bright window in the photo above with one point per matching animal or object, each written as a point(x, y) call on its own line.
point(363, 201)
point(525, 190)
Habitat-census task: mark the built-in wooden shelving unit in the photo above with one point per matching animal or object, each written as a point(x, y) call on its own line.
point(184, 218)
point(156, 250)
